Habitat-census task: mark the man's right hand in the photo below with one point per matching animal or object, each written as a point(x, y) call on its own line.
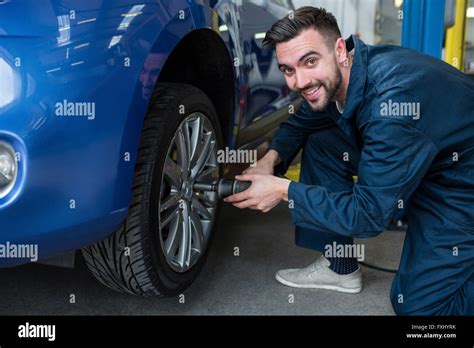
point(265, 165)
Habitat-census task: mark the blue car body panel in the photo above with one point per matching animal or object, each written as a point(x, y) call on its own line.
point(75, 172)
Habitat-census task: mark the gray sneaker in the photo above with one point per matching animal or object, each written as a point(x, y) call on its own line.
point(318, 275)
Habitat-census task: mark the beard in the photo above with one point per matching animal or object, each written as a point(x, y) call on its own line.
point(330, 89)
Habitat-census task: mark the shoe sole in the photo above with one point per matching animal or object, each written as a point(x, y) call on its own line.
point(311, 286)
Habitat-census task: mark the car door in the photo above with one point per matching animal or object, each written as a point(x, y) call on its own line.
point(266, 94)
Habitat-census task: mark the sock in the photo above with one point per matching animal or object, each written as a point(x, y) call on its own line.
point(343, 265)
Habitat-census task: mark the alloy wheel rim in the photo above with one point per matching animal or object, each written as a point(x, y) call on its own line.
point(187, 215)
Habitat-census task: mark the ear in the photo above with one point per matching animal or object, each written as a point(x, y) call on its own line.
point(341, 50)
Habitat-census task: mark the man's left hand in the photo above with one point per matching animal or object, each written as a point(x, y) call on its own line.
point(264, 194)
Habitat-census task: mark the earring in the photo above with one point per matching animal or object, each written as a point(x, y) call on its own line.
point(346, 62)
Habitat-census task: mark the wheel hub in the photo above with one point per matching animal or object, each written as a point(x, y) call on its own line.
point(187, 190)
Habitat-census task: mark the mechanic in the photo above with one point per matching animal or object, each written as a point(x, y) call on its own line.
point(403, 122)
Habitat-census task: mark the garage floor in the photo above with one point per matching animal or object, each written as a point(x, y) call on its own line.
point(240, 285)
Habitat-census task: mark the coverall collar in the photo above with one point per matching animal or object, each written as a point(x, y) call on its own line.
point(356, 88)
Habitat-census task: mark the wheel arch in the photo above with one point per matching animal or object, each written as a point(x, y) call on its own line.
point(201, 59)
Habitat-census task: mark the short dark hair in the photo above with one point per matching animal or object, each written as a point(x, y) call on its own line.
point(301, 19)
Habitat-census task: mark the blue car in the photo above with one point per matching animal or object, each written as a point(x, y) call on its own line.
point(111, 111)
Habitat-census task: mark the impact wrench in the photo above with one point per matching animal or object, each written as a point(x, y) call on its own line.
point(224, 187)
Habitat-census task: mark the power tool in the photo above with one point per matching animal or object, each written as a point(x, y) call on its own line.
point(224, 187)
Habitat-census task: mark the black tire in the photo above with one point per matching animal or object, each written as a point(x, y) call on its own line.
point(144, 270)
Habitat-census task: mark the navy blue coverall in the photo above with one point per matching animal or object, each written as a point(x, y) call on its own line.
point(407, 131)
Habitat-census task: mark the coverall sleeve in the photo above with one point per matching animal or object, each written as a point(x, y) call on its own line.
point(292, 134)
point(394, 159)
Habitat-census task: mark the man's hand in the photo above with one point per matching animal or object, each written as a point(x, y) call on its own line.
point(264, 194)
point(265, 164)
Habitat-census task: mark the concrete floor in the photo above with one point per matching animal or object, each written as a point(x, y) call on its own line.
point(228, 285)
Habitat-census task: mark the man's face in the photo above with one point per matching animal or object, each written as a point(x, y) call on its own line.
point(150, 73)
point(310, 68)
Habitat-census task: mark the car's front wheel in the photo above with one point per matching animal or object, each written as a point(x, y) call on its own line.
point(162, 246)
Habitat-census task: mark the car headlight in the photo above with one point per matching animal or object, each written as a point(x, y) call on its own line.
point(8, 169)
